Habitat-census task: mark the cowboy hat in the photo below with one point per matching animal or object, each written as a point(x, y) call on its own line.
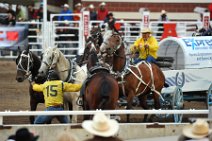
point(101, 125)
point(23, 134)
point(163, 11)
point(66, 5)
point(146, 30)
point(91, 6)
point(78, 4)
point(197, 130)
point(102, 4)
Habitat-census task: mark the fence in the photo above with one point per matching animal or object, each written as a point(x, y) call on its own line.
point(68, 35)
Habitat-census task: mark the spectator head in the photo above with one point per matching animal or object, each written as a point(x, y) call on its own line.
point(65, 7)
point(102, 5)
point(197, 130)
point(163, 15)
point(78, 6)
point(101, 125)
point(23, 134)
point(11, 14)
point(66, 136)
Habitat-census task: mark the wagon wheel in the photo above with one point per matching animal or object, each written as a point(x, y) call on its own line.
point(177, 104)
point(209, 96)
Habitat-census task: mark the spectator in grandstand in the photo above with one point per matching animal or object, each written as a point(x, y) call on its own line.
point(102, 12)
point(32, 13)
point(53, 90)
point(93, 14)
point(23, 134)
point(66, 136)
point(102, 127)
point(78, 8)
point(146, 46)
point(65, 11)
point(111, 21)
point(10, 19)
point(199, 130)
point(163, 18)
point(19, 13)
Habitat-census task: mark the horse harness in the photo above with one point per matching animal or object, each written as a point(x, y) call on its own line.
point(29, 63)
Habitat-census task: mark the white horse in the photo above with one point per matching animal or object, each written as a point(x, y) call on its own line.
point(68, 71)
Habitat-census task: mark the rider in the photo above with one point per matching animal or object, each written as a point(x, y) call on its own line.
point(147, 46)
point(53, 90)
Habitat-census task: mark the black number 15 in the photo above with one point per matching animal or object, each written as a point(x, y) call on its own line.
point(51, 90)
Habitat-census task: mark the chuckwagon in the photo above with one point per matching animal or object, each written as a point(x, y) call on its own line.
point(187, 60)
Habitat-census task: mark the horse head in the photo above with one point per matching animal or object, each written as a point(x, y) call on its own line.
point(24, 63)
point(111, 44)
point(49, 60)
point(92, 60)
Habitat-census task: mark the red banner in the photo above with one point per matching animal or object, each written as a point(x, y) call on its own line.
point(12, 35)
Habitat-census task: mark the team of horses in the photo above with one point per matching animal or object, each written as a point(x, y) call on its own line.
point(102, 70)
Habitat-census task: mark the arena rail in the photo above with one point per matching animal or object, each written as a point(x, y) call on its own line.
point(118, 112)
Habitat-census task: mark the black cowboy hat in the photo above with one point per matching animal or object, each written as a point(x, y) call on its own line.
point(53, 75)
point(23, 134)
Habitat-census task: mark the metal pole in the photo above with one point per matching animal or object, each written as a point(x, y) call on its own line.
point(45, 30)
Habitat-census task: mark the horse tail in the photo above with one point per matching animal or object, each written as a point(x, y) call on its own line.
point(104, 93)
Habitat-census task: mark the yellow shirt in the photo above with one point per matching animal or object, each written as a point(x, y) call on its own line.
point(143, 53)
point(53, 91)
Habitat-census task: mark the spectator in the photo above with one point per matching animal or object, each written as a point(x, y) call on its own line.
point(102, 12)
point(23, 134)
point(103, 128)
point(110, 20)
point(32, 14)
point(65, 11)
point(78, 10)
point(147, 46)
point(53, 90)
point(10, 19)
point(196, 131)
point(19, 13)
point(163, 18)
point(210, 10)
point(66, 136)
point(93, 14)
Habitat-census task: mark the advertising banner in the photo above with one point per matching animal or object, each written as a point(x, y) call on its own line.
point(13, 36)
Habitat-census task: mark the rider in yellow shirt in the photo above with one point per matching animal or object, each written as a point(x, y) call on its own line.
point(147, 46)
point(53, 90)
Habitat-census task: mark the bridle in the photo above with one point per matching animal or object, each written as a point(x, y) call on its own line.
point(49, 66)
point(20, 67)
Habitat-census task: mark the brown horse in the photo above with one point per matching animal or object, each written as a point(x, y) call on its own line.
point(138, 80)
point(101, 90)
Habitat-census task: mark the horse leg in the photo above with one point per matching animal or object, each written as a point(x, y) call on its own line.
point(33, 106)
point(75, 107)
point(156, 98)
point(143, 104)
point(129, 103)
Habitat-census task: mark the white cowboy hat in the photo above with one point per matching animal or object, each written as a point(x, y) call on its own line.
point(163, 11)
point(146, 30)
point(91, 6)
point(102, 4)
point(78, 4)
point(66, 5)
point(101, 125)
point(197, 130)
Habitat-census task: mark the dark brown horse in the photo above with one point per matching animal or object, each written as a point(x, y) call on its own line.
point(102, 90)
point(28, 65)
point(138, 80)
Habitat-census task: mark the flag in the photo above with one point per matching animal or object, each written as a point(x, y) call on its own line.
point(12, 35)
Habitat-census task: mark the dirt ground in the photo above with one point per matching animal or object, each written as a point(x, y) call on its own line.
point(14, 96)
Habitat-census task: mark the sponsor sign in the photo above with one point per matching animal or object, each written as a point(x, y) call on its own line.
point(86, 19)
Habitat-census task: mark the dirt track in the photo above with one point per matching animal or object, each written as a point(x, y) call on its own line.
point(14, 96)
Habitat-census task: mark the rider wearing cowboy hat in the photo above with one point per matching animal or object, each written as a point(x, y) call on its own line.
point(147, 46)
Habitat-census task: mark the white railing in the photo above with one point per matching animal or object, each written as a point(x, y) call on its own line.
point(117, 112)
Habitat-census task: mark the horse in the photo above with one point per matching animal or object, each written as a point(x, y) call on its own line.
point(101, 90)
point(137, 80)
point(69, 71)
point(28, 65)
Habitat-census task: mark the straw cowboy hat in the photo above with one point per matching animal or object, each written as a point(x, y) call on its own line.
point(66, 5)
point(101, 125)
point(197, 130)
point(146, 30)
